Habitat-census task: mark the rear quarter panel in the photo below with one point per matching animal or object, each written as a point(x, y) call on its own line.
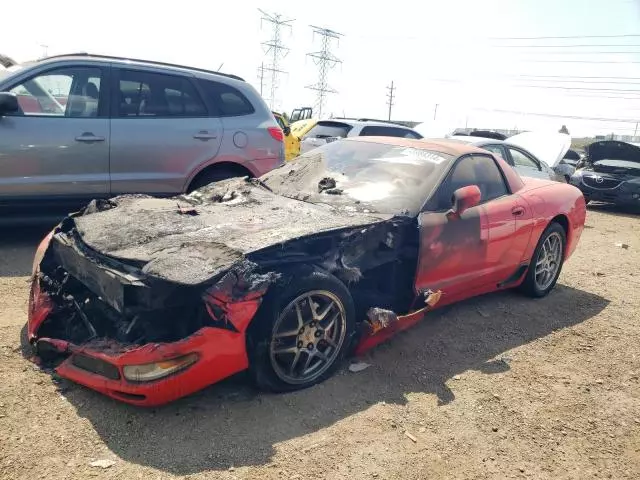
point(551, 200)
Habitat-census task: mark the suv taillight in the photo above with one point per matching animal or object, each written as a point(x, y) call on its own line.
point(276, 133)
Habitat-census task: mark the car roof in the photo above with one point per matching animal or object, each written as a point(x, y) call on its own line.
point(88, 57)
point(447, 146)
point(474, 140)
point(364, 121)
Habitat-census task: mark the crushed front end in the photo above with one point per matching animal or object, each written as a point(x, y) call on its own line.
point(147, 341)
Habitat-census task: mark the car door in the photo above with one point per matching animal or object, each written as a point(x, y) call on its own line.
point(161, 131)
point(525, 164)
point(464, 255)
point(56, 147)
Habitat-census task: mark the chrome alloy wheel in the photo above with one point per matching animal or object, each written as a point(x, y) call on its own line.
point(548, 261)
point(307, 336)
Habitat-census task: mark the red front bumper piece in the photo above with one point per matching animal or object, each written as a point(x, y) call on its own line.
point(99, 365)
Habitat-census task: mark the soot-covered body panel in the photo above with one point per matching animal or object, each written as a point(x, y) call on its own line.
point(225, 222)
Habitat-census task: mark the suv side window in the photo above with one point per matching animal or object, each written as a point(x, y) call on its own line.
point(497, 149)
point(72, 92)
point(480, 170)
point(380, 131)
point(225, 100)
point(521, 159)
point(147, 94)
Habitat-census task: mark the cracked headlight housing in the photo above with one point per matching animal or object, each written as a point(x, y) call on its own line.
point(153, 371)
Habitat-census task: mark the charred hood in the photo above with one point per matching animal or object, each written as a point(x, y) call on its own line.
point(193, 238)
point(613, 150)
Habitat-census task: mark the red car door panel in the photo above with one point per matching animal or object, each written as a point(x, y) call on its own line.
point(452, 252)
point(480, 249)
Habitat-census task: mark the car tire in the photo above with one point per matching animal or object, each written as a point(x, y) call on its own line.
point(214, 175)
point(547, 260)
point(281, 349)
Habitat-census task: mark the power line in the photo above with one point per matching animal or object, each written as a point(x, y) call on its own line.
point(391, 88)
point(588, 82)
point(276, 48)
point(533, 60)
point(631, 35)
point(588, 93)
point(584, 45)
point(579, 53)
point(325, 60)
point(571, 117)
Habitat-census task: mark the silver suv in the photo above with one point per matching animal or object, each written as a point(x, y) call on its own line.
point(78, 127)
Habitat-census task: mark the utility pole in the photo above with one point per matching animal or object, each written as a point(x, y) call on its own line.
point(390, 99)
point(325, 60)
point(45, 51)
point(636, 130)
point(435, 111)
point(275, 49)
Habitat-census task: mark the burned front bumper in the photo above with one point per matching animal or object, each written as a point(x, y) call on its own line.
point(215, 350)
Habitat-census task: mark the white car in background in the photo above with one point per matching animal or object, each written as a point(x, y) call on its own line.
point(532, 154)
point(326, 131)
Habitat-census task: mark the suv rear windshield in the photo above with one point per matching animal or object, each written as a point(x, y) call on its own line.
point(384, 131)
point(325, 129)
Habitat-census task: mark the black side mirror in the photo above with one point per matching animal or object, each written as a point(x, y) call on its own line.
point(286, 130)
point(8, 103)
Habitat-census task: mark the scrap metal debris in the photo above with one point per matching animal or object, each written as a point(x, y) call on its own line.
point(187, 210)
point(358, 367)
point(431, 298)
point(327, 183)
point(622, 245)
point(380, 318)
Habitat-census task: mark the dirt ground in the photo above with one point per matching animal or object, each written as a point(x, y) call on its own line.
point(497, 387)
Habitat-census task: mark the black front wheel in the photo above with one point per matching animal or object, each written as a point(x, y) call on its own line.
point(302, 332)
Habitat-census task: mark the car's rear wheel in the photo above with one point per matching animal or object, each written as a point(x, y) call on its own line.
point(546, 262)
point(302, 332)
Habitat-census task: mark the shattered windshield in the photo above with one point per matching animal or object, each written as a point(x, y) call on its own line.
point(361, 175)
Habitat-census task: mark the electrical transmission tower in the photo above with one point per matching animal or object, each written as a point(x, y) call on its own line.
point(390, 98)
point(275, 49)
point(325, 61)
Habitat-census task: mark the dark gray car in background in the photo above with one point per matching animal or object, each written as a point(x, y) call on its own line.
point(78, 127)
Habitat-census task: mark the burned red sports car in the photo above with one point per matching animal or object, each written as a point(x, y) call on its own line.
point(147, 299)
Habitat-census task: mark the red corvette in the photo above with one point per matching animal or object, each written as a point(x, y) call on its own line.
point(147, 299)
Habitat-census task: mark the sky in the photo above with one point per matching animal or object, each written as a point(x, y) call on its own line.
point(469, 63)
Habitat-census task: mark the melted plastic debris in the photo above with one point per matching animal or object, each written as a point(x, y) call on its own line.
point(380, 318)
point(431, 298)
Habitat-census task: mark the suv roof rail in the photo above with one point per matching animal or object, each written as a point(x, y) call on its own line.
point(369, 120)
point(150, 62)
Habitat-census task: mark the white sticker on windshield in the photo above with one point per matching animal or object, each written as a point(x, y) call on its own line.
point(412, 156)
point(424, 155)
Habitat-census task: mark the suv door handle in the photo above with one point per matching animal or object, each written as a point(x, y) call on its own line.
point(204, 135)
point(89, 137)
point(517, 211)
